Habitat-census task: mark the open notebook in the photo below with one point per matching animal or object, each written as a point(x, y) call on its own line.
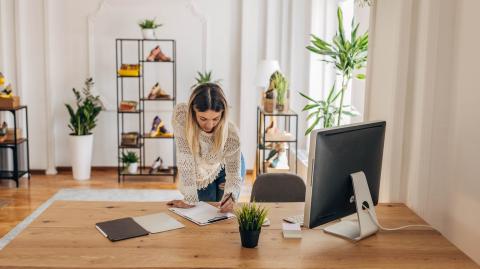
point(202, 214)
point(125, 228)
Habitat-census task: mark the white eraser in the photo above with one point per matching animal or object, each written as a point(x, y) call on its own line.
point(291, 230)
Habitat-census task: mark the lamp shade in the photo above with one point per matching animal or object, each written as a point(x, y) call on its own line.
point(265, 69)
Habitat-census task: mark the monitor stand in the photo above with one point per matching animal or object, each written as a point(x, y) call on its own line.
point(364, 226)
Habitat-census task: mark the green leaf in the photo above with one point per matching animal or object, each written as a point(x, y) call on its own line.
point(360, 76)
point(307, 97)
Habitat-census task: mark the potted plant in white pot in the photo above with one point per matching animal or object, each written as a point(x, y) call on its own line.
point(82, 122)
point(250, 219)
point(148, 28)
point(130, 159)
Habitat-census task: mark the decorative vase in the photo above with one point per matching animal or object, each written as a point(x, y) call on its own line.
point(249, 238)
point(132, 168)
point(81, 155)
point(148, 34)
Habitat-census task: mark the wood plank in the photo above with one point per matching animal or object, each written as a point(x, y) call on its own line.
point(65, 237)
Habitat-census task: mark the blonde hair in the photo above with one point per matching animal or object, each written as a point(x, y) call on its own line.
point(206, 97)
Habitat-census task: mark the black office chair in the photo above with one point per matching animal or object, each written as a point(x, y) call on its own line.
point(278, 187)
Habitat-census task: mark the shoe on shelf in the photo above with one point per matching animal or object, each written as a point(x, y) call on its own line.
point(158, 129)
point(157, 55)
point(6, 92)
point(157, 166)
point(153, 54)
point(3, 132)
point(161, 57)
point(157, 93)
point(156, 125)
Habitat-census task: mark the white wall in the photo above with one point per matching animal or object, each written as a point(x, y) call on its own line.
point(50, 46)
point(424, 82)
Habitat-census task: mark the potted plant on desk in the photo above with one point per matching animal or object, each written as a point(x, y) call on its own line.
point(250, 219)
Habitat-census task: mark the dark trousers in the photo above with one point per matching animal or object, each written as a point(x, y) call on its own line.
point(213, 193)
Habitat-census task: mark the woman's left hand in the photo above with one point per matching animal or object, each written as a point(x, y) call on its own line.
point(227, 206)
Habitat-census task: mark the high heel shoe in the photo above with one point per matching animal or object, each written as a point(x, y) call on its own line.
point(161, 57)
point(156, 125)
point(158, 93)
point(3, 132)
point(157, 166)
point(158, 129)
point(154, 54)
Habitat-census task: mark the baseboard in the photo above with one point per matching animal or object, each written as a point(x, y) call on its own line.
point(94, 168)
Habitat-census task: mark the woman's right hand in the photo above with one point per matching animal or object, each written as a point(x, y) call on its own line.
point(179, 204)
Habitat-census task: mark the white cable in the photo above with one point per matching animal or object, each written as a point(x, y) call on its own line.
point(394, 229)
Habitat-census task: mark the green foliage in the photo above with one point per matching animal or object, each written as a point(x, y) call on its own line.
point(280, 84)
point(204, 78)
point(326, 110)
point(149, 24)
point(84, 119)
point(251, 216)
point(129, 157)
point(347, 54)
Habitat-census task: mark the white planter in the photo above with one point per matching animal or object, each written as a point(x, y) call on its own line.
point(132, 168)
point(81, 147)
point(148, 33)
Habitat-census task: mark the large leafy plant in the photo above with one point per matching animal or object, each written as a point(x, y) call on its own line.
point(348, 54)
point(84, 118)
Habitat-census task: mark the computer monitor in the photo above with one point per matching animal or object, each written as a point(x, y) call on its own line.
point(344, 170)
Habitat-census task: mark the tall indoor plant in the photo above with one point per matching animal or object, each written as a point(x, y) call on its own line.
point(348, 54)
point(82, 121)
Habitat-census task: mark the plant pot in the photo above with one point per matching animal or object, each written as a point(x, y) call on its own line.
point(282, 107)
point(249, 238)
point(269, 105)
point(132, 168)
point(148, 34)
point(81, 155)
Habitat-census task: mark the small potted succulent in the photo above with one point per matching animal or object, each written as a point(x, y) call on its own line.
point(148, 28)
point(130, 159)
point(250, 219)
point(281, 86)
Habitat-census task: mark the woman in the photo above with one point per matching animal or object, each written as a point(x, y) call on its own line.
point(210, 163)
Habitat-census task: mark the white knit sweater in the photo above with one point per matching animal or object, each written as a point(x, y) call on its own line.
point(197, 173)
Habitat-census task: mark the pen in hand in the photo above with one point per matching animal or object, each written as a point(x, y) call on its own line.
point(226, 199)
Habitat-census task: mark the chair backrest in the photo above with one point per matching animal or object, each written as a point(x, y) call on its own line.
point(278, 187)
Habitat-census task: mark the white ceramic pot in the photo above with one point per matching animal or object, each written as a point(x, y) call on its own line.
point(148, 33)
point(132, 168)
point(81, 147)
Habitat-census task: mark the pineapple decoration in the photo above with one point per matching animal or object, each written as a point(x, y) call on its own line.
point(5, 92)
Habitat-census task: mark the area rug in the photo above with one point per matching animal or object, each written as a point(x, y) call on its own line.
point(115, 195)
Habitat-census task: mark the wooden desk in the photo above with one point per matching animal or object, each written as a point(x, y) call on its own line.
point(64, 236)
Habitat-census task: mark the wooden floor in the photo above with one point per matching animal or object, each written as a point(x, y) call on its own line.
point(17, 204)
